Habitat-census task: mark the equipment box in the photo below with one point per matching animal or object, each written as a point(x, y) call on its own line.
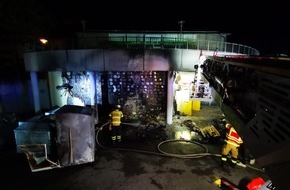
point(29, 133)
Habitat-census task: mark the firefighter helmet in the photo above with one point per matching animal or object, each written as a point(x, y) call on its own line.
point(228, 125)
point(224, 122)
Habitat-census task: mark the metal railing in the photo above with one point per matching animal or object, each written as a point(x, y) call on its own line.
point(141, 42)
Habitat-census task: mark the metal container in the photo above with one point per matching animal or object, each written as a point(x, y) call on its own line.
point(75, 135)
point(29, 133)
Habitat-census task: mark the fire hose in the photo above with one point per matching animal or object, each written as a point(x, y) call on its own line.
point(164, 153)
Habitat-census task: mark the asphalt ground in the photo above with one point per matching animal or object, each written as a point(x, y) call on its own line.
point(152, 162)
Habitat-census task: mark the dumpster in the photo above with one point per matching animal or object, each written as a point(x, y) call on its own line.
point(75, 135)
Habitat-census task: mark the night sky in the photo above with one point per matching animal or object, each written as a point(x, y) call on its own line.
point(261, 26)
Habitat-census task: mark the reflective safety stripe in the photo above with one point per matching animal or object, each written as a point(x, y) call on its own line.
point(113, 138)
point(224, 158)
point(116, 117)
point(234, 161)
point(118, 137)
point(234, 137)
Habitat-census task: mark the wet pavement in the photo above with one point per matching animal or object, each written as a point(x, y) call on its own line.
point(165, 160)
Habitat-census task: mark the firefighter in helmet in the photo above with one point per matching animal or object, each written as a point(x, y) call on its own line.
point(231, 146)
point(115, 125)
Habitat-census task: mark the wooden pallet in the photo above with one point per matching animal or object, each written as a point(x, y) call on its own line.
point(210, 131)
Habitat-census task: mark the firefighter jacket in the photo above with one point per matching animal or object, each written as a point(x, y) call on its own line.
point(233, 137)
point(116, 116)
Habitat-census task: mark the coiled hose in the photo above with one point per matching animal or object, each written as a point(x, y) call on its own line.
point(163, 153)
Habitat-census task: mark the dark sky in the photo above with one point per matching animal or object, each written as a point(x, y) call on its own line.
point(262, 26)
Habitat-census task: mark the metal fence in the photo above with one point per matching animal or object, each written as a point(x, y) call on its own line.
point(141, 42)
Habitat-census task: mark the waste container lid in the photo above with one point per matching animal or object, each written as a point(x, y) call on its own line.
point(75, 109)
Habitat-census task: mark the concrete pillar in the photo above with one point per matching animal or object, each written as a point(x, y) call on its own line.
point(170, 97)
point(93, 96)
point(35, 91)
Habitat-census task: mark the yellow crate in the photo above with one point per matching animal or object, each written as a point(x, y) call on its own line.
point(186, 107)
point(196, 105)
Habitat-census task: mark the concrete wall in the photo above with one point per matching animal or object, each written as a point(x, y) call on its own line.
point(112, 60)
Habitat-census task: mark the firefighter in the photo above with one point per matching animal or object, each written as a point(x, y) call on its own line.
point(115, 125)
point(232, 144)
